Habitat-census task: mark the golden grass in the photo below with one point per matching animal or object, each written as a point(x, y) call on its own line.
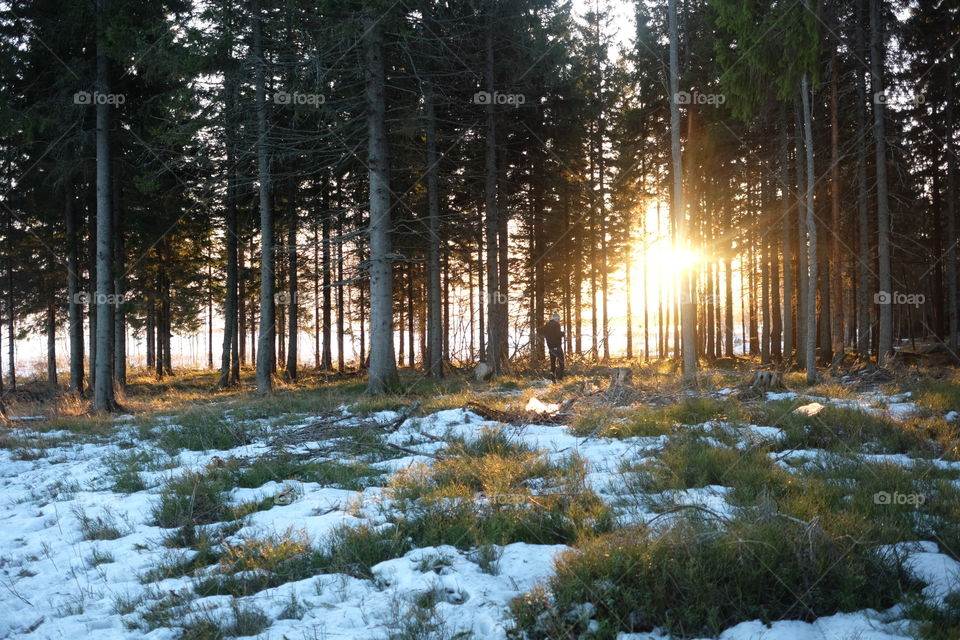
point(147, 398)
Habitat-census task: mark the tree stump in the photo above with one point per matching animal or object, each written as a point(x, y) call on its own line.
point(766, 381)
point(621, 377)
point(483, 372)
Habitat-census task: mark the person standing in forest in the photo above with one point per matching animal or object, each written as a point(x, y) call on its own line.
point(553, 334)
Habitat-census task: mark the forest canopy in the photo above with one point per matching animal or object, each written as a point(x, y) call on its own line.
point(367, 186)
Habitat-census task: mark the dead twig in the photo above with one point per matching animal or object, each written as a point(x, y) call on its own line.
point(405, 413)
point(413, 452)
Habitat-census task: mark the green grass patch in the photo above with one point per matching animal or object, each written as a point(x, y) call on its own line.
point(123, 469)
point(932, 621)
point(99, 556)
point(842, 429)
point(886, 501)
point(654, 420)
point(99, 527)
point(173, 610)
point(525, 498)
point(262, 563)
point(938, 396)
point(205, 428)
point(197, 498)
point(492, 491)
point(696, 577)
point(166, 609)
point(690, 462)
point(204, 549)
point(277, 468)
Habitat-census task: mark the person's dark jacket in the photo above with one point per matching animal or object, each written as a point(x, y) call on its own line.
point(553, 334)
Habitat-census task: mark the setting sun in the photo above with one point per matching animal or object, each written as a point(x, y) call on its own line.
point(670, 261)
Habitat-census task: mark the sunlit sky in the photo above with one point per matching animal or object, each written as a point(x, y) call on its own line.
point(620, 15)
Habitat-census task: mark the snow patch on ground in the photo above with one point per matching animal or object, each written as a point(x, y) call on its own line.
point(50, 583)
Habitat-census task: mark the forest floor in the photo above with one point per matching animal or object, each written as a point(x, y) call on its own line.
point(542, 510)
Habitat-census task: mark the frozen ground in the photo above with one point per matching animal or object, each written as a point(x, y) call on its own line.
point(56, 584)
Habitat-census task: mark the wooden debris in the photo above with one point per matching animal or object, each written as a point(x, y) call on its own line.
point(560, 416)
point(489, 413)
point(286, 496)
point(334, 424)
point(405, 413)
point(412, 452)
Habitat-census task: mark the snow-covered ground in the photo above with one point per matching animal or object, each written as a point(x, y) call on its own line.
point(56, 584)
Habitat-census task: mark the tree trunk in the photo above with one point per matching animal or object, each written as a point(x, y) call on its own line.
point(74, 303)
point(885, 347)
point(503, 251)
point(646, 297)
point(786, 244)
point(150, 331)
point(51, 345)
point(764, 276)
point(864, 301)
point(629, 294)
point(383, 364)
point(293, 284)
point(434, 363)
point(837, 217)
point(688, 284)
point(119, 289)
point(950, 259)
point(776, 331)
point(326, 360)
point(209, 314)
point(811, 317)
point(266, 343)
point(495, 327)
point(538, 255)
point(411, 316)
point(481, 326)
point(92, 301)
point(341, 308)
point(446, 307)
point(229, 366)
point(103, 385)
point(802, 248)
